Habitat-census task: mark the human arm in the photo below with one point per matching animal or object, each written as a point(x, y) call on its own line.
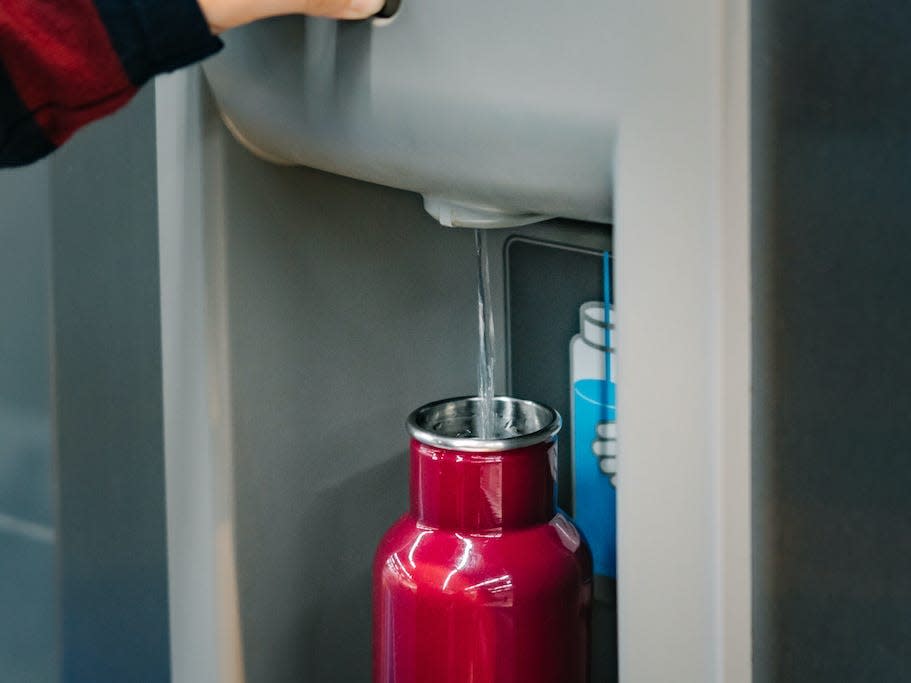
point(64, 63)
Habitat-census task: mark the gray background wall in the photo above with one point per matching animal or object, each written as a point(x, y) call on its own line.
point(83, 574)
point(832, 304)
point(28, 593)
point(107, 402)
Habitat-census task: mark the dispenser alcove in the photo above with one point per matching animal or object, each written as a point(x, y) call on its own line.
point(497, 113)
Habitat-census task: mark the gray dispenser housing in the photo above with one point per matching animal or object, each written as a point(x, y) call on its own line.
point(497, 113)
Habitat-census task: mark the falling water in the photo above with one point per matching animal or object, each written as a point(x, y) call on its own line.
point(486, 416)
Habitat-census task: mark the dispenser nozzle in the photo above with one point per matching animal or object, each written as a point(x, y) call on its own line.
point(453, 214)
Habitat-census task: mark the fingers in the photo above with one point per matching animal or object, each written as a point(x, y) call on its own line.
point(337, 9)
point(226, 14)
point(340, 9)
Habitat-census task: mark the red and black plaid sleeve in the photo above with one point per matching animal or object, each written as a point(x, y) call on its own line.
point(64, 63)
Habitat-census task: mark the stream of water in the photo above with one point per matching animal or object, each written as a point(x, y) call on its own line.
point(486, 422)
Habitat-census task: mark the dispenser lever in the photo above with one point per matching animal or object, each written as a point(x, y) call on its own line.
point(390, 8)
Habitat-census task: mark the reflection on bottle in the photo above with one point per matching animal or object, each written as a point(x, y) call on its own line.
point(594, 434)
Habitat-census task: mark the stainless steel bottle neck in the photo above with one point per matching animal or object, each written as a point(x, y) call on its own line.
point(452, 424)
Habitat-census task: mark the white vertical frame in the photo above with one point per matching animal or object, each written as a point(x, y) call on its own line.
point(683, 330)
point(202, 580)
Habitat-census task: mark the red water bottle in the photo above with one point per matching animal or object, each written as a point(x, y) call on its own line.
point(483, 580)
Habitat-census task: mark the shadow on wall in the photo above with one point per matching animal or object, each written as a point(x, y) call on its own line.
point(320, 619)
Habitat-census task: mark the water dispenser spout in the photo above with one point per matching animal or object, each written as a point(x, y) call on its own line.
point(457, 214)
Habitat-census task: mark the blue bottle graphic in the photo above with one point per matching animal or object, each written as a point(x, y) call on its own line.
point(594, 435)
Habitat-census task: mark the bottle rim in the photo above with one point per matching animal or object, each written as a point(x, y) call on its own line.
point(443, 424)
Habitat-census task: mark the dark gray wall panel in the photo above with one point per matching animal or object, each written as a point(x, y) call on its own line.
point(108, 402)
point(24, 283)
point(28, 596)
point(25, 485)
point(832, 238)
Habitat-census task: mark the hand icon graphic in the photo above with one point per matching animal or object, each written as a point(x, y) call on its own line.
point(604, 447)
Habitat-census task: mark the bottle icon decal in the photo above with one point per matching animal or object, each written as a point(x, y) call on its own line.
point(594, 433)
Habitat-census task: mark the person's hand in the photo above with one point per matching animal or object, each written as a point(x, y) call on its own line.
point(226, 14)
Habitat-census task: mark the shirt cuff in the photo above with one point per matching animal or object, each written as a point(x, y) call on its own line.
point(155, 36)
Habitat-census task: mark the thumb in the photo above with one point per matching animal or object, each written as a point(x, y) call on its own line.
point(339, 9)
point(226, 14)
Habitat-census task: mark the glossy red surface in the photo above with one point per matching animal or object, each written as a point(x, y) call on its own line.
point(483, 581)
